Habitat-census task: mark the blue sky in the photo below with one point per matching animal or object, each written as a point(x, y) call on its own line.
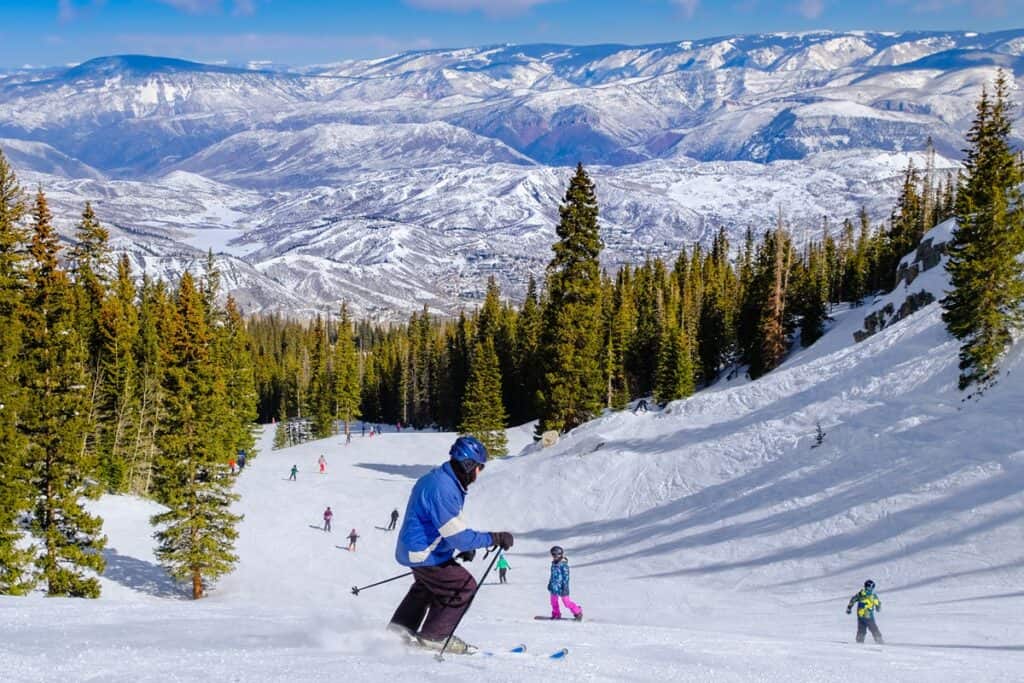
point(299, 32)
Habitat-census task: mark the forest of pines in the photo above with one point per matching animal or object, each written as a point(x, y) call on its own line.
point(114, 383)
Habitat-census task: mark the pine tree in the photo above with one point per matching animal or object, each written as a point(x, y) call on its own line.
point(985, 304)
point(483, 414)
point(196, 437)
point(15, 493)
point(321, 384)
point(54, 421)
point(234, 357)
point(347, 387)
point(570, 349)
point(675, 366)
point(116, 404)
point(528, 331)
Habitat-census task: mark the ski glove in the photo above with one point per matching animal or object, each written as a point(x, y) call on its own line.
point(466, 555)
point(503, 539)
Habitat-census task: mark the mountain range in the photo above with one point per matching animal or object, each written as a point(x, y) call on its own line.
point(405, 182)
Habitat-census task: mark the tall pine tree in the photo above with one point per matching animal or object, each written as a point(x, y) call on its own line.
point(15, 493)
point(985, 304)
point(483, 413)
point(54, 421)
point(572, 387)
point(196, 437)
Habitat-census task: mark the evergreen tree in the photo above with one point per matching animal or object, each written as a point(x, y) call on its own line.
point(321, 384)
point(234, 358)
point(675, 366)
point(483, 414)
point(54, 421)
point(116, 404)
point(347, 387)
point(570, 349)
point(15, 493)
point(196, 437)
point(528, 331)
point(985, 304)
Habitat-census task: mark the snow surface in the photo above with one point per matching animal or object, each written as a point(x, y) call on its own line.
point(708, 541)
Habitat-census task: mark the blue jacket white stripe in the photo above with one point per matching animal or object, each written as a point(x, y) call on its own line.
point(433, 530)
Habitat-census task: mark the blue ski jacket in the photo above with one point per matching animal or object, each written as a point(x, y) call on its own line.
point(433, 529)
point(559, 581)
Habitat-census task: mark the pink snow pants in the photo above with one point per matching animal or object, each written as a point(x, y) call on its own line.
point(569, 605)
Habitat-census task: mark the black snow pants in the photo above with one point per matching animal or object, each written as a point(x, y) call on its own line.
point(868, 624)
point(441, 594)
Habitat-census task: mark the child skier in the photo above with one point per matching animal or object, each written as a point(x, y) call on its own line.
point(328, 516)
point(323, 463)
point(352, 536)
point(867, 604)
point(295, 470)
point(503, 567)
point(558, 585)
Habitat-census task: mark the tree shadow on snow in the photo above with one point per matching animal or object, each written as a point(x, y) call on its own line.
point(140, 575)
point(805, 488)
point(409, 471)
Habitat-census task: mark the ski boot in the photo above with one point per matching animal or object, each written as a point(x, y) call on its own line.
point(457, 646)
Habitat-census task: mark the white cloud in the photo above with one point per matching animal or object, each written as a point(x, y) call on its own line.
point(811, 9)
point(689, 7)
point(490, 7)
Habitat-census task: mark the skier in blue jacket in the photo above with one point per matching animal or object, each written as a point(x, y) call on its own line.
point(432, 532)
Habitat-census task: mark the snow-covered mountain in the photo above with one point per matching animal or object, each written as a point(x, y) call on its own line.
point(714, 540)
point(401, 182)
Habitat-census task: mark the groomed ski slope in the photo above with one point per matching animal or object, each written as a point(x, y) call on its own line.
point(708, 542)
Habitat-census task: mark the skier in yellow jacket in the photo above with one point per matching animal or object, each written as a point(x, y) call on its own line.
point(867, 604)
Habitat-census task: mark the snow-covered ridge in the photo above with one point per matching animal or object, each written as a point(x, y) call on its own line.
point(681, 137)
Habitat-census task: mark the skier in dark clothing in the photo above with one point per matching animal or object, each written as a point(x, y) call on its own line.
point(867, 604)
point(328, 516)
point(295, 470)
point(241, 461)
point(394, 519)
point(432, 533)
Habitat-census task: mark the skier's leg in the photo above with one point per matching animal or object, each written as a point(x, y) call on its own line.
point(862, 629)
point(570, 605)
point(556, 611)
point(413, 607)
point(451, 587)
point(875, 633)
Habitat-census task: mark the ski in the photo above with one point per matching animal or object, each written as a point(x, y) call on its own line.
point(559, 654)
point(542, 618)
point(518, 649)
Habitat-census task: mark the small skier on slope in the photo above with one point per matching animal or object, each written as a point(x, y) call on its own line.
point(323, 463)
point(328, 516)
point(867, 604)
point(295, 471)
point(352, 538)
point(503, 567)
point(558, 585)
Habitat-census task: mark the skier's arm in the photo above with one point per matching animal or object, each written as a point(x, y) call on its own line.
point(853, 601)
point(447, 517)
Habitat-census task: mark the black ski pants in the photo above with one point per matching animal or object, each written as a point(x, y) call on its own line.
point(441, 594)
point(501, 575)
point(868, 624)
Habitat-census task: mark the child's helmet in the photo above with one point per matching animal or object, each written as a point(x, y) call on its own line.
point(869, 585)
point(556, 551)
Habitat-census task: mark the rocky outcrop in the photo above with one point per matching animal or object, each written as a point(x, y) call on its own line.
point(928, 255)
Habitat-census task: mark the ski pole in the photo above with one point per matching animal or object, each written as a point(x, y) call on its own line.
point(440, 655)
point(356, 589)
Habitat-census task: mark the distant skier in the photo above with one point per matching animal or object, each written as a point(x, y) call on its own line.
point(641, 406)
point(503, 567)
point(352, 537)
point(295, 470)
point(323, 463)
point(432, 532)
point(558, 585)
point(394, 519)
point(231, 465)
point(867, 604)
point(241, 461)
point(328, 516)
point(362, 429)
point(348, 438)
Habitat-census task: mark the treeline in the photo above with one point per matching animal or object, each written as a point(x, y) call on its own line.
point(106, 385)
point(585, 340)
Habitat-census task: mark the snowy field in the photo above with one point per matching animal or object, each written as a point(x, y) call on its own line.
point(708, 542)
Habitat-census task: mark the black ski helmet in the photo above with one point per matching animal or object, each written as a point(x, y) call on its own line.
point(869, 584)
point(556, 551)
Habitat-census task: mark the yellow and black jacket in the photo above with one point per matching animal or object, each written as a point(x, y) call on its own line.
point(867, 604)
